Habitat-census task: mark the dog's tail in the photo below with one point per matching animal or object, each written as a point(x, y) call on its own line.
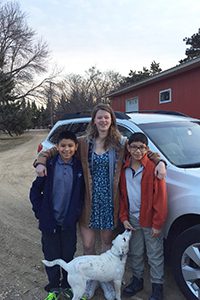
point(54, 262)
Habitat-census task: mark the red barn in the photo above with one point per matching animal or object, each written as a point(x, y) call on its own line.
point(176, 89)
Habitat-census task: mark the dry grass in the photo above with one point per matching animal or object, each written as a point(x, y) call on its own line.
point(8, 142)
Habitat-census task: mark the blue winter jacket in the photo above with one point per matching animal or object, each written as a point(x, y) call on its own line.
point(41, 197)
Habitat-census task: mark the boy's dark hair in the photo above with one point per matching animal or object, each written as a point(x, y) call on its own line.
point(138, 137)
point(66, 134)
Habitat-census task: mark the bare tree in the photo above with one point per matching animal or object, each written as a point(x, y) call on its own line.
point(51, 95)
point(81, 93)
point(22, 58)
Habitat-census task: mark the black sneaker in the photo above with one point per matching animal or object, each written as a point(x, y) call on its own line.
point(157, 292)
point(67, 293)
point(134, 287)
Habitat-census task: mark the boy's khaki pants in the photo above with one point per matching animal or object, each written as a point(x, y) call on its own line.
point(140, 239)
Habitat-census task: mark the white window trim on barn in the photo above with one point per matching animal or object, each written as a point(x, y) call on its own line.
point(165, 96)
point(132, 105)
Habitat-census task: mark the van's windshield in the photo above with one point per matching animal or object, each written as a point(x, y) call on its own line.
point(178, 141)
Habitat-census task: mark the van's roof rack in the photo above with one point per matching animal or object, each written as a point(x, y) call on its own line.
point(121, 115)
point(87, 114)
point(76, 115)
point(166, 112)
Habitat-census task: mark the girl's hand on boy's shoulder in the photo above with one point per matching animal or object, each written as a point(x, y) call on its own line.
point(41, 170)
point(127, 225)
point(160, 170)
point(155, 232)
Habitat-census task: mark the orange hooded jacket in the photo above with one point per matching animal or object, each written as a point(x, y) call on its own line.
point(153, 210)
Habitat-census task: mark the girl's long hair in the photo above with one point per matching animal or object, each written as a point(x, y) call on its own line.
point(114, 136)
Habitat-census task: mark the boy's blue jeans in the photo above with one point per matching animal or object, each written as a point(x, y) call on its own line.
point(140, 239)
point(61, 244)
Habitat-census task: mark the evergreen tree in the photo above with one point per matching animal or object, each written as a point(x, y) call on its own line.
point(137, 76)
point(194, 50)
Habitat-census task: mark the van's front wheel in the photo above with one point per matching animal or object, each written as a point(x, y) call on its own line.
point(186, 262)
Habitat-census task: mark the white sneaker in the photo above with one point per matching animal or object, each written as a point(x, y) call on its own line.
point(90, 289)
point(108, 289)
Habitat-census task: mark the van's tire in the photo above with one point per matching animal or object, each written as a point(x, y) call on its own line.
point(185, 256)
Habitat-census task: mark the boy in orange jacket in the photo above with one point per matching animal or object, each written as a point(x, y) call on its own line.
point(143, 209)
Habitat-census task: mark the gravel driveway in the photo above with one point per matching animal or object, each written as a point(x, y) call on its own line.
point(22, 274)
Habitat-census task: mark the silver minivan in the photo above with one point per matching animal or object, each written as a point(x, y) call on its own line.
point(177, 139)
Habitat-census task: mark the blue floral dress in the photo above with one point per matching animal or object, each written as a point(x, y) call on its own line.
point(102, 204)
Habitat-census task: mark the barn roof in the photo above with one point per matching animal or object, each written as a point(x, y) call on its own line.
point(181, 68)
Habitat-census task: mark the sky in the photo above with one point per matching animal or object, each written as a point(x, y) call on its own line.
point(118, 35)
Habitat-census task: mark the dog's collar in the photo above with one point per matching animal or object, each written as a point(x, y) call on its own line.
point(119, 255)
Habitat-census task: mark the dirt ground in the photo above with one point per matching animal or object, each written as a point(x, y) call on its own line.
point(22, 274)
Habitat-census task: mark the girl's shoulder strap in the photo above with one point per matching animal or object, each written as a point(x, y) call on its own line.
point(123, 140)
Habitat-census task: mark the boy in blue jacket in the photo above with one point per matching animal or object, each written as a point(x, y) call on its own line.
point(57, 201)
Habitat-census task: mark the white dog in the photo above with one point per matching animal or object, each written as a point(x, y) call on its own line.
point(108, 266)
